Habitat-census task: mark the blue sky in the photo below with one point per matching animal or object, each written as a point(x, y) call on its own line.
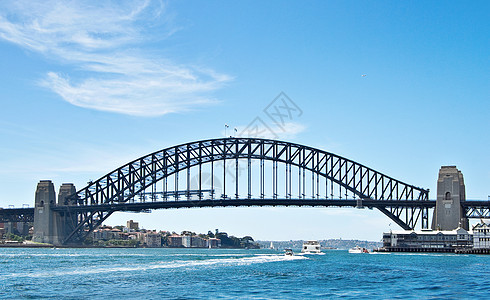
point(85, 88)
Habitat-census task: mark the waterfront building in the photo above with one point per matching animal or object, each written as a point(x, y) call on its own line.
point(124, 236)
point(194, 241)
point(106, 233)
point(214, 243)
point(115, 234)
point(132, 236)
point(481, 236)
point(186, 241)
point(427, 240)
point(140, 236)
point(198, 242)
point(174, 241)
point(132, 226)
point(97, 234)
point(153, 239)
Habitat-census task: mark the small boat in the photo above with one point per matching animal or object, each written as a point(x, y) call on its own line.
point(311, 247)
point(288, 252)
point(358, 249)
point(272, 246)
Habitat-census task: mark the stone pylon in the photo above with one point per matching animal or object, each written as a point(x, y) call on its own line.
point(65, 221)
point(50, 226)
point(44, 218)
point(448, 214)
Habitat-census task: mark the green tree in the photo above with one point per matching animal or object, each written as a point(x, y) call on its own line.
point(14, 237)
point(247, 239)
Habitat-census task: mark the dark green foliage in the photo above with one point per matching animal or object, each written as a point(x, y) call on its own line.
point(13, 237)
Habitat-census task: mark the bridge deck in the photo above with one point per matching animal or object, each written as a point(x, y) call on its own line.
point(25, 214)
point(244, 202)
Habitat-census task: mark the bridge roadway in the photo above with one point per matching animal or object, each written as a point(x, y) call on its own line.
point(25, 214)
point(474, 208)
point(244, 202)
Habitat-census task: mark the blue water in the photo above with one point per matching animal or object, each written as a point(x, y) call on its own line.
point(220, 273)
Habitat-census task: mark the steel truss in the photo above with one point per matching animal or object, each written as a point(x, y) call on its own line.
point(275, 173)
point(16, 215)
point(477, 209)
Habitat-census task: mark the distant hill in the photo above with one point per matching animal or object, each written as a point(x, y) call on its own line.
point(332, 243)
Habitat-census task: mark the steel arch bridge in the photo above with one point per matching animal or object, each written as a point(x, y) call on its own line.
point(241, 172)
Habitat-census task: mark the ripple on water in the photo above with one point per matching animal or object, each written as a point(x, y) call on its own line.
point(219, 273)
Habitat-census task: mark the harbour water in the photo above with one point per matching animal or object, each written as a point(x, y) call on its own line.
point(220, 273)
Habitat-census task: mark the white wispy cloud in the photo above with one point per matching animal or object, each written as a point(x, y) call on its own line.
point(103, 44)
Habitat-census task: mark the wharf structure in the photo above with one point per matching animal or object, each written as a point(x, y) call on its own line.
point(450, 228)
point(427, 240)
point(481, 240)
point(459, 240)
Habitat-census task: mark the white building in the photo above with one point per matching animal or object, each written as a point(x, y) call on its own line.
point(446, 240)
point(481, 236)
point(186, 241)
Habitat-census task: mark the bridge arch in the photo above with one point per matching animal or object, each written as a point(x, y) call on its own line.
point(292, 170)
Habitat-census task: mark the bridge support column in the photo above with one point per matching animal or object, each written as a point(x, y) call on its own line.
point(17, 228)
point(66, 221)
point(44, 218)
point(49, 226)
point(448, 214)
point(9, 227)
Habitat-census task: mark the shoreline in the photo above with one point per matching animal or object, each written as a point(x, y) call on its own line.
point(33, 245)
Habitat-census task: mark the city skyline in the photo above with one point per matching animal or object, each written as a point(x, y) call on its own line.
point(399, 87)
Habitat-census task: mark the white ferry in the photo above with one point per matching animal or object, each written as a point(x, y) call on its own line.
point(358, 249)
point(311, 247)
